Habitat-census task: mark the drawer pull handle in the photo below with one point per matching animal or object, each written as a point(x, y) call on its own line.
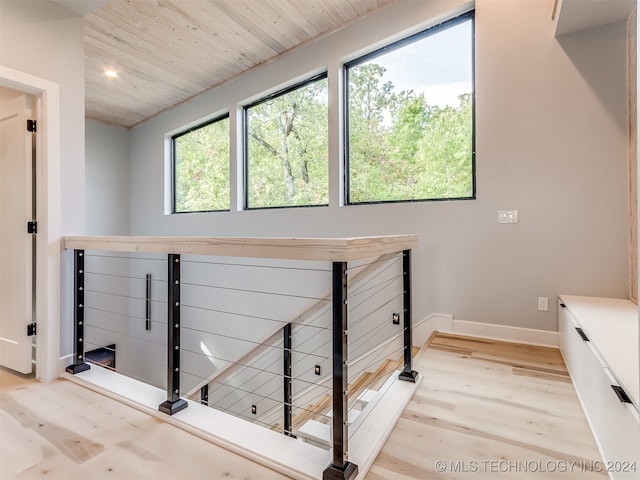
point(563, 305)
point(147, 315)
point(582, 334)
point(622, 395)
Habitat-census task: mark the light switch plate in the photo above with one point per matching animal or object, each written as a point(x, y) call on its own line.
point(507, 216)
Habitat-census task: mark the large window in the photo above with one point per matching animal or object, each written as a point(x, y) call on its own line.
point(201, 168)
point(410, 121)
point(286, 147)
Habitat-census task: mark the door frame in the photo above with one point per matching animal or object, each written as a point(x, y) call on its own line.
point(48, 239)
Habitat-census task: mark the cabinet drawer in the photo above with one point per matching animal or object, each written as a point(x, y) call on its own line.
point(612, 421)
point(572, 345)
point(614, 424)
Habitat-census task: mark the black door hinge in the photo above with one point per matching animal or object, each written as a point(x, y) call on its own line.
point(31, 329)
point(31, 126)
point(32, 227)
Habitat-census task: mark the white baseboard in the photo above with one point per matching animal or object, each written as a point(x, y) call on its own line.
point(531, 336)
point(63, 363)
point(423, 329)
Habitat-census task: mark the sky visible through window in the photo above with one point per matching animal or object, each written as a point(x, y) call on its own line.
point(410, 118)
point(440, 65)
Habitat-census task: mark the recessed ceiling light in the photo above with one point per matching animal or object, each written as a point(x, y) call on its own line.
point(111, 73)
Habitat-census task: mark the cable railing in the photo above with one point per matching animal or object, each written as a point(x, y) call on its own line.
point(300, 336)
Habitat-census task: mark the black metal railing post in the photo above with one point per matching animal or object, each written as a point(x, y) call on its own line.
point(174, 403)
point(78, 364)
point(288, 391)
point(407, 374)
point(340, 468)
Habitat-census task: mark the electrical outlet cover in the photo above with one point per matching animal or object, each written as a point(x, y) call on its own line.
point(543, 304)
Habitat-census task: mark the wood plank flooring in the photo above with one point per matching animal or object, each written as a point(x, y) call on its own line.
point(485, 409)
point(60, 430)
point(489, 409)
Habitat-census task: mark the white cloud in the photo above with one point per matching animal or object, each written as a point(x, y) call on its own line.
point(444, 94)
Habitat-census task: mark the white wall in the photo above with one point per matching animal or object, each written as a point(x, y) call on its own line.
point(43, 41)
point(107, 179)
point(551, 143)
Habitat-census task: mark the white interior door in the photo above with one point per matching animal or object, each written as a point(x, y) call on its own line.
point(16, 260)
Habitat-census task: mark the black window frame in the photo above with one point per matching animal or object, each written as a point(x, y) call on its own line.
point(245, 141)
point(396, 45)
point(173, 163)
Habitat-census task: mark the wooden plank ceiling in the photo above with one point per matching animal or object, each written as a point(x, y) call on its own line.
point(166, 51)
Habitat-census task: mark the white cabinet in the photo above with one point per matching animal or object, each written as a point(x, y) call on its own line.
point(571, 344)
point(615, 424)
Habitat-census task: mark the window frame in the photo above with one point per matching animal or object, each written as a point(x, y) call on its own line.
point(396, 45)
point(173, 163)
point(245, 140)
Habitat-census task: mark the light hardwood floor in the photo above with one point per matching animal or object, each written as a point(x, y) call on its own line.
point(60, 430)
point(489, 409)
point(485, 409)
